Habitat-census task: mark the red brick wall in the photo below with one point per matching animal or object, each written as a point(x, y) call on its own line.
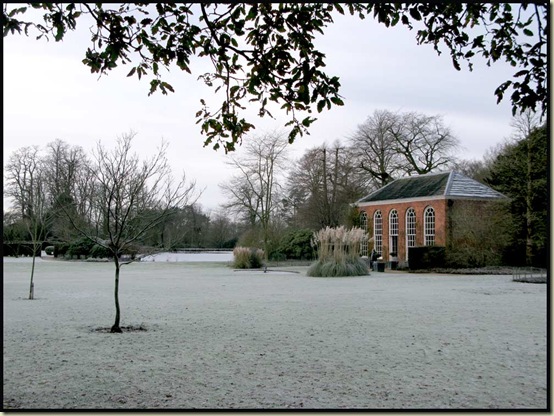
point(440, 207)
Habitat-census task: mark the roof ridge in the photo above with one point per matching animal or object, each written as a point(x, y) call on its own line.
point(458, 176)
point(449, 182)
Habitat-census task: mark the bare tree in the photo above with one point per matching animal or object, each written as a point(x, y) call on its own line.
point(63, 163)
point(304, 189)
point(322, 184)
point(524, 123)
point(131, 198)
point(25, 184)
point(475, 169)
point(424, 143)
point(19, 173)
point(69, 186)
point(255, 190)
point(373, 147)
point(223, 232)
point(391, 145)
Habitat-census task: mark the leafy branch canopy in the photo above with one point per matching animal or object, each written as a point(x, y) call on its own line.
point(264, 52)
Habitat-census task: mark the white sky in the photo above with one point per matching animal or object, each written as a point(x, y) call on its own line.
point(49, 94)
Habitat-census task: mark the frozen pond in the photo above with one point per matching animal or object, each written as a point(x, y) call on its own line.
point(203, 256)
point(186, 257)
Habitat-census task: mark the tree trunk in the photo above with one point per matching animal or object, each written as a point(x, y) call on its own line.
point(265, 226)
point(115, 327)
point(529, 209)
point(326, 207)
point(32, 286)
point(333, 208)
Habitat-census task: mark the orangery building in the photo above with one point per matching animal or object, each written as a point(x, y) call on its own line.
point(417, 211)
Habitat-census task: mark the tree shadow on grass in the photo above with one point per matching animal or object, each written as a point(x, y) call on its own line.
point(130, 328)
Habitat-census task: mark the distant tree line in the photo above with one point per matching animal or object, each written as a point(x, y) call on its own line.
point(55, 187)
point(275, 202)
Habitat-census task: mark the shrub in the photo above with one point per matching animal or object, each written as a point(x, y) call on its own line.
point(20, 249)
point(427, 257)
point(132, 251)
point(331, 268)
point(247, 258)
point(49, 250)
point(256, 258)
point(250, 238)
point(60, 249)
point(81, 247)
point(338, 252)
point(277, 256)
point(296, 245)
point(228, 243)
point(100, 252)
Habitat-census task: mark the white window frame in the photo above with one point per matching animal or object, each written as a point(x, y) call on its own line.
point(364, 249)
point(429, 226)
point(378, 232)
point(393, 231)
point(410, 230)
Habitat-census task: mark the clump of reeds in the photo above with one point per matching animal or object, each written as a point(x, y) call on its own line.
point(338, 252)
point(247, 258)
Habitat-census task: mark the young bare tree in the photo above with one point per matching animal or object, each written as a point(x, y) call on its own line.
point(131, 198)
point(254, 190)
point(25, 184)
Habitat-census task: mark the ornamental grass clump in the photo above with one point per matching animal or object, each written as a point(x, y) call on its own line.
point(338, 252)
point(247, 258)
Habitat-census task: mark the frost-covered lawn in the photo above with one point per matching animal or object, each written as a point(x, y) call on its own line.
point(217, 338)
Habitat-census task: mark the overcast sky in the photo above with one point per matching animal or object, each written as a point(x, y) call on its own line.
point(49, 94)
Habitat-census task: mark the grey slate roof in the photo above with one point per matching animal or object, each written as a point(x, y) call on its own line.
point(447, 184)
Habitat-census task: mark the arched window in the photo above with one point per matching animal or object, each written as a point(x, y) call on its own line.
point(363, 226)
point(410, 230)
point(378, 232)
point(429, 229)
point(393, 232)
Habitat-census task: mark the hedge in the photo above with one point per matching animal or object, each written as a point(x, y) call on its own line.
point(427, 257)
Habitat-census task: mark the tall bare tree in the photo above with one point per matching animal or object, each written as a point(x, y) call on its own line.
point(424, 143)
point(322, 184)
point(19, 173)
point(391, 145)
point(69, 186)
point(255, 190)
point(373, 147)
point(131, 198)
